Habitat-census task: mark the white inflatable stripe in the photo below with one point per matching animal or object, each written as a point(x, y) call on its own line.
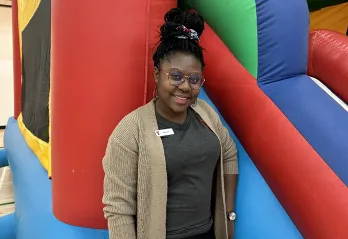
point(330, 93)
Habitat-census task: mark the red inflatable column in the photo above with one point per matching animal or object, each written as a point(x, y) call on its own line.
point(99, 74)
point(17, 66)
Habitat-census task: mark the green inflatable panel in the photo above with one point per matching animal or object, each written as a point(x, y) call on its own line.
point(235, 23)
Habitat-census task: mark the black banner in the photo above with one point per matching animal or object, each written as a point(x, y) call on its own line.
point(36, 54)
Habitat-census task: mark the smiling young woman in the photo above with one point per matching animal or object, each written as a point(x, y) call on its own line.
point(170, 166)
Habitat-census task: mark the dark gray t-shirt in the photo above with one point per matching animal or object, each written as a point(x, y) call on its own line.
point(191, 156)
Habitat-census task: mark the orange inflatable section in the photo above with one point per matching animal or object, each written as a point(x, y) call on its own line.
point(101, 67)
point(333, 18)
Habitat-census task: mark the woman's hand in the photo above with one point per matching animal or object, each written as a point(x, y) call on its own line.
point(230, 229)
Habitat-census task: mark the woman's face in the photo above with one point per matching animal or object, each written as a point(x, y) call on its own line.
point(173, 90)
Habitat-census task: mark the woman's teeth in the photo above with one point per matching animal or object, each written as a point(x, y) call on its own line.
point(181, 98)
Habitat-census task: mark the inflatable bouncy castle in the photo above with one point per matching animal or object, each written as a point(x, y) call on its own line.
point(81, 66)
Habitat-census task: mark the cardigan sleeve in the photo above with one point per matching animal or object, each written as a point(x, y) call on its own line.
point(120, 180)
point(229, 149)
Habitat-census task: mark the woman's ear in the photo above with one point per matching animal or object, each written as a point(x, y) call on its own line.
point(157, 74)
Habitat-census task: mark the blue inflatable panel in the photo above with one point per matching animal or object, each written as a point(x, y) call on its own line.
point(259, 213)
point(7, 227)
point(282, 33)
point(3, 159)
point(33, 197)
point(320, 119)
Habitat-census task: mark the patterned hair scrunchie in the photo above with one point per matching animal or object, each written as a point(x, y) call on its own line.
point(188, 33)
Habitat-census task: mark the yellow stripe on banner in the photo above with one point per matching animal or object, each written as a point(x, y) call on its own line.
point(40, 148)
point(26, 10)
point(49, 124)
point(333, 18)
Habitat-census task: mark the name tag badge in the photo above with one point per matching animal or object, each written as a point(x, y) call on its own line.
point(164, 132)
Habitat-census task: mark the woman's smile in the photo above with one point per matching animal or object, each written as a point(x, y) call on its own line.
point(182, 100)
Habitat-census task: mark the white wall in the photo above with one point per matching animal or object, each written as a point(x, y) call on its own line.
point(6, 2)
point(6, 65)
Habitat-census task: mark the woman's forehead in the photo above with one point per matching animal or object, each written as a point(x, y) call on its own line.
point(182, 61)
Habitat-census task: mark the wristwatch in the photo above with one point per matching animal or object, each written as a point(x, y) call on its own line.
point(231, 216)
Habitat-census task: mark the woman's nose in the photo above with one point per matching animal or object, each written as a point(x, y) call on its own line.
point(185, 86)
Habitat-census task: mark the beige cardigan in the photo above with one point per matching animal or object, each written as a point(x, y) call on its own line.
point(135, 183)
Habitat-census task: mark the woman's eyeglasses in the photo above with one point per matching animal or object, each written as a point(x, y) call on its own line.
point(177, 77)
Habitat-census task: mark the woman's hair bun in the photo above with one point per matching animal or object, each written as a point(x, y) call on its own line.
point(172, 14)
point(175, 18)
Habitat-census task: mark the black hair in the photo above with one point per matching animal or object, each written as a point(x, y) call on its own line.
point(172, 29)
